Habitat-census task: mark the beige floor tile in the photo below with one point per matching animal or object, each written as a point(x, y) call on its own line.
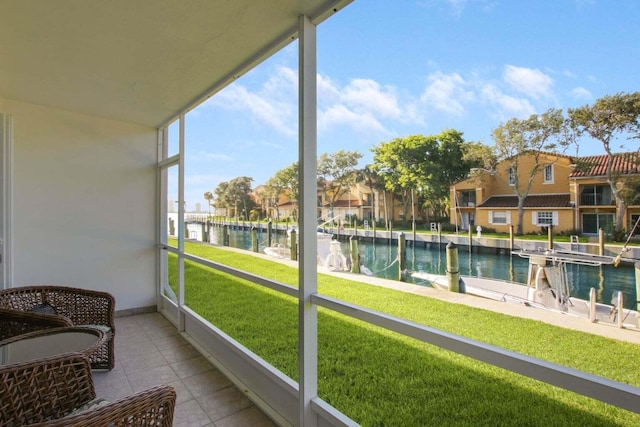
point(150, 351)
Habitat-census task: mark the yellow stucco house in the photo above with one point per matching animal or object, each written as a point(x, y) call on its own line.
point(576, 201)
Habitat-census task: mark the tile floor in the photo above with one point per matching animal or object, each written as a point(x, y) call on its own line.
point(150, 351)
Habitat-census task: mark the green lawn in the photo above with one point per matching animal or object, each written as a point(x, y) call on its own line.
point(379, 378)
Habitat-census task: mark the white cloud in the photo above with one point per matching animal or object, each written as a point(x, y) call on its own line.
point(581, 93)
point(274, 104)
point(364, 105)
point(341, 115)
point(533, 83)
point(448, 93)
point(507, 106)
point(368, 96)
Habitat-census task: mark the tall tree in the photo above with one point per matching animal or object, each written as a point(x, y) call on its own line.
point(221, 200)
point(337, 174)
point(371, 180)
point(231, 194)
point(285, 181)
point(608, 118)
point(208, 196)
point(238, 194)
point(534, 136)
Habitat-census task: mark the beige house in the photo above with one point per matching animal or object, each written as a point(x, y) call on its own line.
point(571, 201)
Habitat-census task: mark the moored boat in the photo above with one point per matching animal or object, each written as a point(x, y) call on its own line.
point(546, 288)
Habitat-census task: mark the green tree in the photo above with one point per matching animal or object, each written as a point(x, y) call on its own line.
point(537, 134)
point(608, 118)
point(337, 174)
point(285, 181)
point(422, 168)
point(238, 193)
point(235, 193)
point(222, 201)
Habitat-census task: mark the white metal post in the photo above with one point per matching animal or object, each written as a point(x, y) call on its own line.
point(181, 225)
point(307, 277)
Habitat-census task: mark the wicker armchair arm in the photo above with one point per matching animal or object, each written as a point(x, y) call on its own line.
point(15, 322)
point(151, 407)
point(44, 389)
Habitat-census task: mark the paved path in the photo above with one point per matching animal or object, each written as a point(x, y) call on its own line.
point(571, 322)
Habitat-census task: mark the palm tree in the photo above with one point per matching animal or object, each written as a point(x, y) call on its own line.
point(208, 196)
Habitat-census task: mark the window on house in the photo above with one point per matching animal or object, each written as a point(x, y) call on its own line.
point(592, 222)
point(544, 218)
point(512, 176)
point(548, 174)
point(499, 217)
point(467, 198)
point(596, 195)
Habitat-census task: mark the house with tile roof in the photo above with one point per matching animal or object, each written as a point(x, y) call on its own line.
point(595, 201)
point(570, 194)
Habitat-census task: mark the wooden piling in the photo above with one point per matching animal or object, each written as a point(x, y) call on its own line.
point(550, 237)
point(269, 232)
point(453, 268)
point(293, 244)
point(511, 241)
point(355, 254)
point(402, 256)
point(254, 239)
point(225, 235)
point(601, 241)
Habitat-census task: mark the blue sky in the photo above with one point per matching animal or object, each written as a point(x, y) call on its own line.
point(389, 69)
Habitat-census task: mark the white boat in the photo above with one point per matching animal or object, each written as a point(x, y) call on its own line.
point(330, 254)
point(546, 288)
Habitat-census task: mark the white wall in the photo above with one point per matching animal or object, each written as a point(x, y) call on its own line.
point(84, 203)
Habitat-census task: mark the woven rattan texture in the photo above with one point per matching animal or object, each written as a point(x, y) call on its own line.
point(44, 392)
point(15, 322)
point(44, 389)
point(80, 306)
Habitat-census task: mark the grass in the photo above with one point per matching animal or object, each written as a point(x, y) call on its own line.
point(379, 378)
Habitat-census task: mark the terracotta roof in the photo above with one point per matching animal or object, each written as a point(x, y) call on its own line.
point(535, 201)
point(624, 163)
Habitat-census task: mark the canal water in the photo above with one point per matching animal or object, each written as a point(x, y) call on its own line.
point(382, 260)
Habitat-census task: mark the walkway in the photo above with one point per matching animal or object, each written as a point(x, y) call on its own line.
point(150, 351)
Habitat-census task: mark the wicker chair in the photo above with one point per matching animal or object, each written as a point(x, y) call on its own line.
point(59, 391)
point(82, 307)
point(14, 322)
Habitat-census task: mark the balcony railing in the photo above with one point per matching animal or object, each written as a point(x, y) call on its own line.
point(596, 200)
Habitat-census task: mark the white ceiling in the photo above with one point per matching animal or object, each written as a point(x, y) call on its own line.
point(141, 61)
